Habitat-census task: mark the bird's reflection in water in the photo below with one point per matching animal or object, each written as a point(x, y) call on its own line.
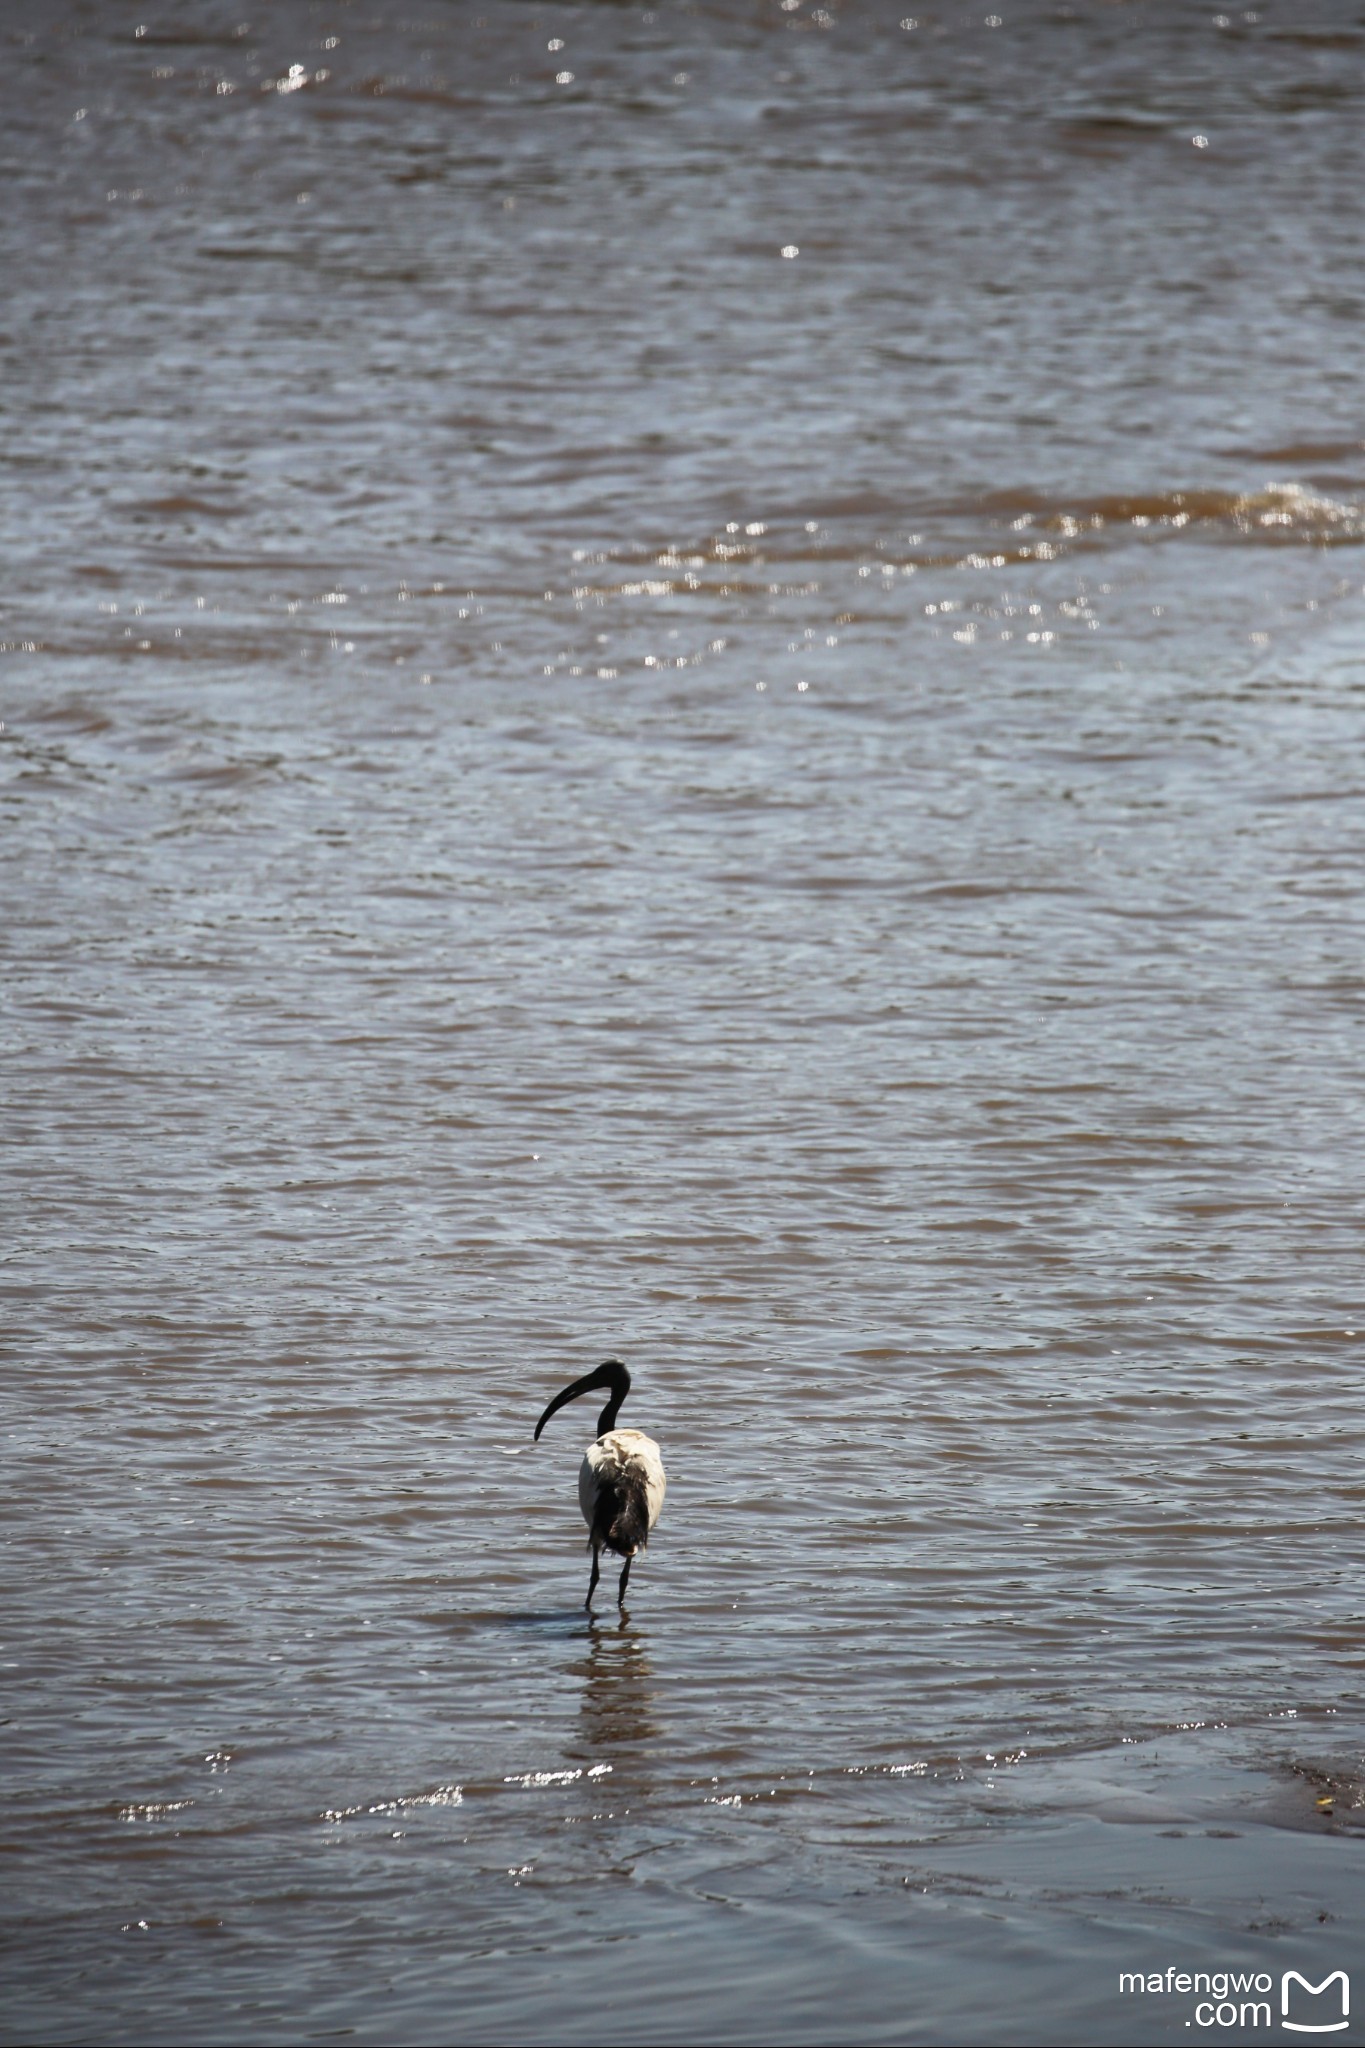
point(616, 1709)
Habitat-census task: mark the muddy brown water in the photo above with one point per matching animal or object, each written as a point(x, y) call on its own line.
point(682, 682)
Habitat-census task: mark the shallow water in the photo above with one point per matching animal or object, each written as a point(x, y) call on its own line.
point(573, 783)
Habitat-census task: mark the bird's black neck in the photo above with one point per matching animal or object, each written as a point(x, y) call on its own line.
point(606, 1421)
point(612, 1375)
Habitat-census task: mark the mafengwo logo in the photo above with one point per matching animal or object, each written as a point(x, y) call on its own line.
point(1321, 2008)
point(1244, 1998)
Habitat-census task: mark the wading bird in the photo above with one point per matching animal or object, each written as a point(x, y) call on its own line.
point(621, 1480)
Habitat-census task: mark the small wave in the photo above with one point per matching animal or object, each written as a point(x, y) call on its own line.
point(444, 1795)
point(1004, 528)
point(1300, 453)
point(1285, 513)
point(535, 1779)
point(182, 506)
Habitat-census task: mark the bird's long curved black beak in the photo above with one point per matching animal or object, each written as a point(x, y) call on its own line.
point(611, 1374)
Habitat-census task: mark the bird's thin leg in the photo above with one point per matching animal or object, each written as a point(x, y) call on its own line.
point(625, 1574)
point(592, 1582)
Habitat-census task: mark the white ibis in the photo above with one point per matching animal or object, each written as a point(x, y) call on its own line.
point(621, 1480)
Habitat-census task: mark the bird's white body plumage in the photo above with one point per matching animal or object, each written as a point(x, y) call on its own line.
point(615, 1456)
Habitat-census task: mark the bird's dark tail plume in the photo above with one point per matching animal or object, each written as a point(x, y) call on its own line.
point(620, 1520)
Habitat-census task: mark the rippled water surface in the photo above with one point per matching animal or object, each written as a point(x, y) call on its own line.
point(684, 682)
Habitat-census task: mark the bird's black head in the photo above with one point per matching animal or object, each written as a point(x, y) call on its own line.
point(610, 1374)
